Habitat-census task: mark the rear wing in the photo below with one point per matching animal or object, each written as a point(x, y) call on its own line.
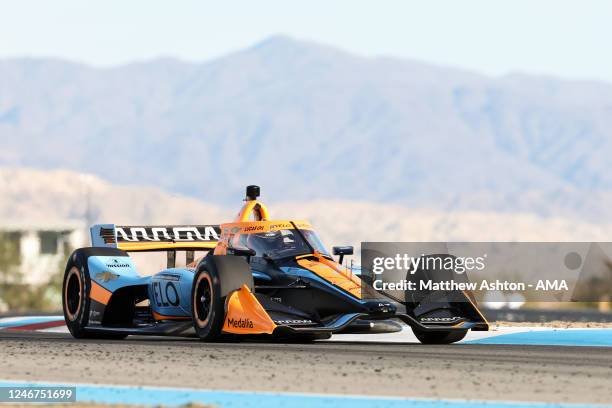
point(156, 237)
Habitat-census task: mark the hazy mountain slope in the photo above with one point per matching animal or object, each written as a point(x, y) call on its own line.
point(36, 197)
point(44, 198)
point(306, 122)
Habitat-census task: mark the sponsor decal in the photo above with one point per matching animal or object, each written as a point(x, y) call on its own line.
point(254, 228)
point(295, 321)
point(167, 234)
point(105, 276)
point(118, 264)
point(165, 293)
point(440, 319)
point(245, 323)
point(284, 225)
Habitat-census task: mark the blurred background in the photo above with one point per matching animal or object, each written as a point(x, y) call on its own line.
point(392, 121)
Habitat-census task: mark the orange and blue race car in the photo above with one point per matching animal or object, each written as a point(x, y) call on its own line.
point(256, 277)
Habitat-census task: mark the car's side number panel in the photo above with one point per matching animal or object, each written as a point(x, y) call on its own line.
point(166, 293)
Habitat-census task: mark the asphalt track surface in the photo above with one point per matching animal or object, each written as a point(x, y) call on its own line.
point(462, 371)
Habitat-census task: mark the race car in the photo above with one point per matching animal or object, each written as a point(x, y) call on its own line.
point(257, 278)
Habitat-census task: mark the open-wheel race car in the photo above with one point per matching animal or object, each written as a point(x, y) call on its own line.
point(257, 277)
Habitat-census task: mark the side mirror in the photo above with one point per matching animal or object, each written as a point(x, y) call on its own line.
point(341, 251)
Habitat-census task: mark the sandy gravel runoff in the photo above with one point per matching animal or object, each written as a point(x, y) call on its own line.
point(495, 372)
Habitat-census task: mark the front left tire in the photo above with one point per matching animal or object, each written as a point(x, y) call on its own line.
point(75, 300)
point(76, 303)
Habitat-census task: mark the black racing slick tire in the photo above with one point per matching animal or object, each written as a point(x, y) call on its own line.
point(207, 304)
point(75, 300)
point(75, 297)
point(216, 278)
point(440, 337)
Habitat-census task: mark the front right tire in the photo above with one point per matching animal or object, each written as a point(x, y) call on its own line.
point(208, 306)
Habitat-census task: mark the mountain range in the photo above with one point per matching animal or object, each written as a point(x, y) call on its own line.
point(59, 198)
point(310, 122)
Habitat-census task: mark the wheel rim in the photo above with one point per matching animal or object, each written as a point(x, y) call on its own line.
point(72, 294)
point(202, 300)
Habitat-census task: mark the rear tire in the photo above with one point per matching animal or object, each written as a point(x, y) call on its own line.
point(208, 306)
point(440, 337)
